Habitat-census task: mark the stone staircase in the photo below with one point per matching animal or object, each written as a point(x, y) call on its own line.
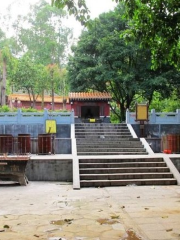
point(97, 147)
point(123, 172)
point(106, 139)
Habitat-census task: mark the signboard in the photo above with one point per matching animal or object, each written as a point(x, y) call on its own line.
point(141, 112)
point(50, 126)
point(92, 120)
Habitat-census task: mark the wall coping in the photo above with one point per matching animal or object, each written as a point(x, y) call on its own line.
point(155, 117)
point(20, 117)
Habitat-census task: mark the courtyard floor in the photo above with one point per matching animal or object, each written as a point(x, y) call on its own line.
point(54, 211)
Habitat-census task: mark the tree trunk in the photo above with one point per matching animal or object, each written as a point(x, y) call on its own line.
point(123, 112)
point(42, 103)
point(34, 100)
point(3, 87)
point(52, 91)
point(52, 96)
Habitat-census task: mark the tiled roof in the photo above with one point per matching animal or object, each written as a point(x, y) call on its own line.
point(25, 98)
point(89, 96)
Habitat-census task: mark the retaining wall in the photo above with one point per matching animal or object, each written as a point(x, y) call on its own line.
point(176, 162)
point(49, 170)
point(154, 132)
point(62, 142)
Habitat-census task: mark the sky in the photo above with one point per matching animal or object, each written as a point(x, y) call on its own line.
point(96, 7)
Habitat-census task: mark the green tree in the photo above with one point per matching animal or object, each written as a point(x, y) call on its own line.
point(102, 61)
point(154, 22)
point(26, 78)
point(77, 8)
point(5, 58)
point(44, 37)
point(57, 81)
point(41, 36)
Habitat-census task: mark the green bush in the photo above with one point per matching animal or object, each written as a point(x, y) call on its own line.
point(5, 108)
point(29, 110)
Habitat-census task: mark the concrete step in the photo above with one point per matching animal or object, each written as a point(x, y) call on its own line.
point(110, 149)
point(89, 129)
point(122, 164)
point(118, 176)
point(103, 172)
point(123, 160)
point(100, 125)
point(109, 137)
point(123, 170)
point(111, 153)
point(107, 141)
point(110, 145)
point(127, 182)
point(102, 130)
point(91, 133)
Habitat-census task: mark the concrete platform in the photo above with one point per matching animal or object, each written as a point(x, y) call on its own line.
point(65, 167)
point(54, 167)
point(54, 211)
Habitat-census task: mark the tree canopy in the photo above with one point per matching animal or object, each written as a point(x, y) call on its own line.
point(103, 61)
point(43, 36)
point(77, 8)
point(39, 40)
point(26, 77)
point(155, 22)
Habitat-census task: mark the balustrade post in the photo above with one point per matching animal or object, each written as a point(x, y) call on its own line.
point(178, 115)
point(72, 116)
point(45, 115)
point(19, 116)
point(127, 116)
point(153, 116)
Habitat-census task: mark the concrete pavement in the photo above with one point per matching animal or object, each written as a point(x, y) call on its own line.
point(54, 211)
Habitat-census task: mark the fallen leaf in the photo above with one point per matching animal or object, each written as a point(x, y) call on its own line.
point(36, 235)
point(169, 230)
point(114, 217)
point(6, 226)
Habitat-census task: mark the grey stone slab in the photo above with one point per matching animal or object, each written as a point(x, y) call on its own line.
point(160, 235)
point(147, 220)
point(152, 227)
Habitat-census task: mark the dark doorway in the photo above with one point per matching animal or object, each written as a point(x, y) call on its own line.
point(90, 112)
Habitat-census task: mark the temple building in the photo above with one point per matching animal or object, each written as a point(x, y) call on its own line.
point(87, 106)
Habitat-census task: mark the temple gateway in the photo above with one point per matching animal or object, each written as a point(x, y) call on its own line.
point(90, 107)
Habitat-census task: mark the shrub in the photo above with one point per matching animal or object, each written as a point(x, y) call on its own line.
point(5, 108)
point(29, 110)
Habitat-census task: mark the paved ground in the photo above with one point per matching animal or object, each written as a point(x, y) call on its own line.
point(54, 211)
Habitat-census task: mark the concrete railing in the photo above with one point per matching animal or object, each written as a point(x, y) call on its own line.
point(20, 117)
point(156, 117)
